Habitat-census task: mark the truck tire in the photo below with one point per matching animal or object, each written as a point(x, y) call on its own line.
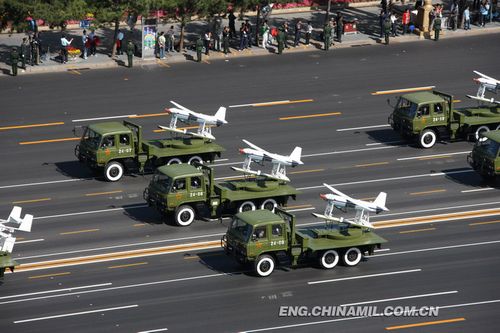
point(174, 160)
point(352, 257)
point(480, 130)
point(427, 138)
point(113, 171)
point(184, 215)
point(246, 206)
point(195, 158)
point(269, 204)
point(264, 265)
point(329, 259)
point(497, 128)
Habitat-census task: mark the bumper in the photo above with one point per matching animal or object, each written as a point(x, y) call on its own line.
point(483, 167)
point(233, 251)
point(86, 158)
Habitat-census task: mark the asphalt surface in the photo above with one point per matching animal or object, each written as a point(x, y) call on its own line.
point(79, 215)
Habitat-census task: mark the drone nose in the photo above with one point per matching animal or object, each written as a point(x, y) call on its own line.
point(167, 110)
point(241, 150)
point(322, 196)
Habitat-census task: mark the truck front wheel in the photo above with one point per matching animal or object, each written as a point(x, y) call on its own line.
point(264, 265)
point(479, 131)
point(329, 259)
point(269, 204)
point(352, 257)
point(245, 206)
point(184, 215)
point(427, 139)
point(113, 171)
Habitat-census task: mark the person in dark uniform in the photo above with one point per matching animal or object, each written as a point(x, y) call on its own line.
point(14, 60)
point(199, 48)
point(387, 29)
point(24, 52)
point(281, 40)
point(437, 28)
point(327, 35)
point(130, 53)
point(340, 26)
point(225, 39)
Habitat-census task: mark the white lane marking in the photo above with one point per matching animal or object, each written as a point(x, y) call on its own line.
point(442, 208)
point(155, 330)
point(430, 156)
point(121, 287)
point(365, 276)
point(387, 179)
point(384, 143)
point(349, 151)
point(103, 118)
point(382, 250)
point(45, 183)
point(301, 209)
point(76, 313)
point(353, 318)
point(478, 190)
point(221, 160)
point(252, 104)
point(403, 297)
point(31, 241)
point(437, 248)
point(364, 127)
point(91, 212)
point(57, 290)
point(123, 245)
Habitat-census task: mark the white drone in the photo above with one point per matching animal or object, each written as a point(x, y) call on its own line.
point(7, 240)
point(486, 83)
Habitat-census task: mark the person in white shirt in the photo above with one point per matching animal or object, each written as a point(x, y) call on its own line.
point(265, 34)
point(64, 48)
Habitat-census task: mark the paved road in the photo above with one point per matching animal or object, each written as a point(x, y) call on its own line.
point(362, 162)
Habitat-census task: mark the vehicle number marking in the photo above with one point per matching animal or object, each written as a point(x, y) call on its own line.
point(195, 194)
point(124, 150)
point(438, 118)
point(276, 243)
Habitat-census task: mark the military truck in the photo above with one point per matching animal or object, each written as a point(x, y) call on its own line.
point(265, 239)
point(115, 148)
point(429, 116)
point(191, 192)
point(485, 156)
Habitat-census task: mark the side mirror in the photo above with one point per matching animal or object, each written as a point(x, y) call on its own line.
point(254, 237)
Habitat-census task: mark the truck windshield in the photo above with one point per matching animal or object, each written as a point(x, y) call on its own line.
point(162, 181)
point(407, 108)
point(490, 147)
point(241, 229)
point(91, 138)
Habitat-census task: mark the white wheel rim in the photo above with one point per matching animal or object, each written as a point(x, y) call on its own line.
point(269, 271)
point(268, 201)
point(497, 128)
point(325, 255)
point(118, 176)
point(174, 161)
point(195, 158)
point(355, 261)
point(481, 129)
point(189, 221)
point(430, 144)
point(249, 203)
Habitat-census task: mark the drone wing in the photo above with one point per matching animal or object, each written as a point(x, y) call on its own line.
point(487, 77)
point(251, 145)
point(357, 202)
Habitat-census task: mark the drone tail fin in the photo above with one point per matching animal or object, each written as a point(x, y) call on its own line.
point(380, 201)
point(220, 115)
point(296, 155)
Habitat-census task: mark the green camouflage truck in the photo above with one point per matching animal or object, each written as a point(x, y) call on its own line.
point(115, 148)
point(191, 192)
point(485, 156)
point(6, 262)
point(429, 116)
point(265, 240)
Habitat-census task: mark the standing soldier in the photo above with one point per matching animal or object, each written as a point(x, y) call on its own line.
point(130, 53)
point(14, 60)
point(24, 52)
point(387, 29)
point(199, 48)
point(281, 40)
point(327, 35)
point(437, 27)
point(340, 26)
point(225, 39)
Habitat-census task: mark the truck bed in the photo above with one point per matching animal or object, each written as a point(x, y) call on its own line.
point(240, 190)
point(179, 147)
point(477, 116)
point(331, 237)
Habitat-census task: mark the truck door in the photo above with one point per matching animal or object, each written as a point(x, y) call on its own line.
point(196, 192)
point(278, 236)
point(124, 145)
point(438, 114)
point(260, 239)
point(179, 190)
point(107, 150)
point(423, 119)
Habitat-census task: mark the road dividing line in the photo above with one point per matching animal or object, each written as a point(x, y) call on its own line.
point(140, 225)
point(74, 71)
point(272, 103)
point(478, 190)
point(311, 116)
point(31, 126)
point(432, 156)
point(384, 143)
point(57, 290)
point(48, 141)
point(359, 128)
point(44, 183)
point(482, 223)
point(155, 330)
point(436, 248)
point(395, 91)
point(370, 164)
point(30, 201)
point(365, 276)
point(129, 265)
point(306, 171)
point(428, 192)
point(162, 64)
point(30, 241)
point(425, 323)
point(403, 297)
point(75, 314)
point(416, 230)
point(102, 193)
point(49, 275)
point(103, 118)
point(78, 232)
point(149, 115)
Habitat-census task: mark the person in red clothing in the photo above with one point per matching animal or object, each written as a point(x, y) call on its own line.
point(406, 20)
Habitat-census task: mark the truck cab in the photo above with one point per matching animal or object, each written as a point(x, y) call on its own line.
point(423, 114)
point(485, 156)
point(179, 188)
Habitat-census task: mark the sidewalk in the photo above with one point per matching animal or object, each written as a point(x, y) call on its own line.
point(367, 26)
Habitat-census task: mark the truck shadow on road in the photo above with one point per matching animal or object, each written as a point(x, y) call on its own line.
point(470, 178)
point(73, 169)
point(219, 262)
point(386, 136)
point(142, 214)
